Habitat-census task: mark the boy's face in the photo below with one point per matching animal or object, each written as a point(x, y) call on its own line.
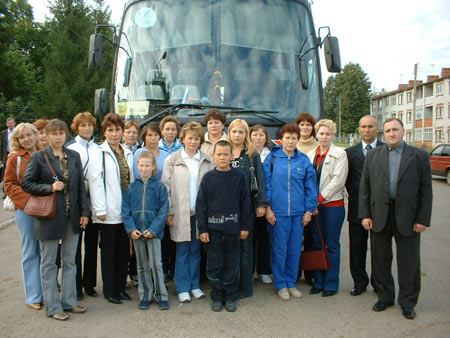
point(145, 167)
point(169, 132)
point(222, 157)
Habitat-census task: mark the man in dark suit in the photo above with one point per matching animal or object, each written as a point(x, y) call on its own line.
point(395, 200)
point(5, 141)
point(368, 129)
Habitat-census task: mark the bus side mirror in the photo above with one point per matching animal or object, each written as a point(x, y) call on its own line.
point(304, 74)
point(332, 55)
point(101, 103)
point(95, 51)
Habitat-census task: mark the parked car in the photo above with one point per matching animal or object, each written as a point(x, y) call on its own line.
point(440, 161)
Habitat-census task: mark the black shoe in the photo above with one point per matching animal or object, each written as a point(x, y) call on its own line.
point(90, 291)
point(125, 296)
point(381, 306)
point(79, 294)
point(357, 291)
point(114, 300)
point(328, 293)
point(408, 312)
point(230, 306)
point(315, 291)
point(217, 305)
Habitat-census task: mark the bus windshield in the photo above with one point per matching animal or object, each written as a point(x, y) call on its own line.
point(229, 53)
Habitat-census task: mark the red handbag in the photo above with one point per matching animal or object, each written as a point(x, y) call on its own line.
point(42, 206)
point(315, 259)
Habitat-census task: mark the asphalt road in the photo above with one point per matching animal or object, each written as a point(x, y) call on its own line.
point(263, 315)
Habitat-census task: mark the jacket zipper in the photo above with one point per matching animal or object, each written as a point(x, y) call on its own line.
point(143, 208)
point(289, 186)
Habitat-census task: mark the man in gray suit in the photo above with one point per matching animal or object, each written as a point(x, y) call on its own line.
point(5, 140)
point(395, 201)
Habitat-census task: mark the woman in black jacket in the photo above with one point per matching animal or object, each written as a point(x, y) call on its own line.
point(71, 216)
point(247, 159)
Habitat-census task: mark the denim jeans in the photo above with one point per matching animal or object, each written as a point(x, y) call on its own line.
point(187, 264)
point(246, 267)
point(31, 258)
point(54, 303)
point(287, 235)
point(148, 256)
point(331, 220)
point(222, 267)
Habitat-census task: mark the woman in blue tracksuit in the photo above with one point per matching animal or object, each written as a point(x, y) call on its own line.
point(291, 188)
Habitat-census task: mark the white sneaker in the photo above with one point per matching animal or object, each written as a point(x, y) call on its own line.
point(294, 292)
point(197, 293)
point(184, 297)
point(283, 294)
point(265, 279)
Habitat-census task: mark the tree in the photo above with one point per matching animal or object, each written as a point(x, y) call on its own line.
point(68, 86)
point(352, 88)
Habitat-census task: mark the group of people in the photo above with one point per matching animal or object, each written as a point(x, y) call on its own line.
point(252, 207)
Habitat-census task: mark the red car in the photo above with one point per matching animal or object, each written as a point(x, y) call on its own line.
point(440, 161)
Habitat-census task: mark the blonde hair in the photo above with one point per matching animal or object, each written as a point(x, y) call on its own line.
point(251, 149)
point(326, 123)
point(15, 144)
point(151, 156)
point(194, 127)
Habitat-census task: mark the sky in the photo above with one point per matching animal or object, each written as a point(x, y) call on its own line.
point(386, 37)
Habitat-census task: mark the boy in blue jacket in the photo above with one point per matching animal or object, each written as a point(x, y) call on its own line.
point(223, 216)
point(145, 207)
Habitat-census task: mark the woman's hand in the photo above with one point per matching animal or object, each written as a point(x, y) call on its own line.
point(83, 221)
point(316, 212)
point(244, 234)
point(136, 234)
point(270, 216)
point(102, 217)
point(148, 235)
point(169, 220)
point(306, 218)
point(57, 186)
point(260, 211)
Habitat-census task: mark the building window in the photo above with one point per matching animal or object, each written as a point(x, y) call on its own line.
point(393, 100)
point(439, 110)
point(419, 113)
point(438, 136)
point(380, 120)
point(400, 98)
point(408, 97)
point(418, 134)
point(439, 88)
point(400, 116)
point(386, 102)
point(394, 115)
point(373, 106)
point(428, 134)
point(379, 104)
point(408, 137)
point(408, 116)
point(449, 110)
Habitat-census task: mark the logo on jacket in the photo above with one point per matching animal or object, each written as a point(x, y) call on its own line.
point(221, 219)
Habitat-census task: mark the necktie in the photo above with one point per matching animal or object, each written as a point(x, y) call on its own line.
point(368, 147)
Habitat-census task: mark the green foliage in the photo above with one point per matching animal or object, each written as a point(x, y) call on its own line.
point(352, 88)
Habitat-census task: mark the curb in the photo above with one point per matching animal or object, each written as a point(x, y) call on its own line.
point(6, 223)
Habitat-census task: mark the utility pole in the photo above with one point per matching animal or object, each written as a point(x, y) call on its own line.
point(413, 132)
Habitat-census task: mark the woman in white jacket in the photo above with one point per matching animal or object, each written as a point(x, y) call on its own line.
point(110, 173)
point(331, 166)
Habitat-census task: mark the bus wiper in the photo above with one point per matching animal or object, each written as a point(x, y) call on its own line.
point(265, 114)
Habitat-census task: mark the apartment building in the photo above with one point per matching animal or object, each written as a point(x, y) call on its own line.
point(432, 120)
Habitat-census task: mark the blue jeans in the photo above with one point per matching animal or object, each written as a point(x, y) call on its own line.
point(187, 263)
point(54, 302)
point(148, 256)
point(287, 235)
point(31, 258)
point(331, 220)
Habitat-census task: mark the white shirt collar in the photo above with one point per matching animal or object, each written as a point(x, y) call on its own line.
point(185, 156)
point(373, 144)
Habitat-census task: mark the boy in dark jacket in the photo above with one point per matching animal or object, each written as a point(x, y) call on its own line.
point(223, 216)
point(145, 207)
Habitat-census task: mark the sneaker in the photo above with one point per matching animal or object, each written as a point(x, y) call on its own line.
point(184, 297)
point(144, 304)
point(164, 305)
point(60, 316)
point(217, 305)
point(265, 279)
point(295, 293)
point(230, 306)
point(197, 293)
point(283, 294)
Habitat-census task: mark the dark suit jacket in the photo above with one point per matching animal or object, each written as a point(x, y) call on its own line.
point(38, 180)
point(3, 145)
point(356, 159)
point(414, 196)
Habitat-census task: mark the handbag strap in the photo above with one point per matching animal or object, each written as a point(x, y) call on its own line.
point(19, 161)
point(55, 177)
point(320, 232)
